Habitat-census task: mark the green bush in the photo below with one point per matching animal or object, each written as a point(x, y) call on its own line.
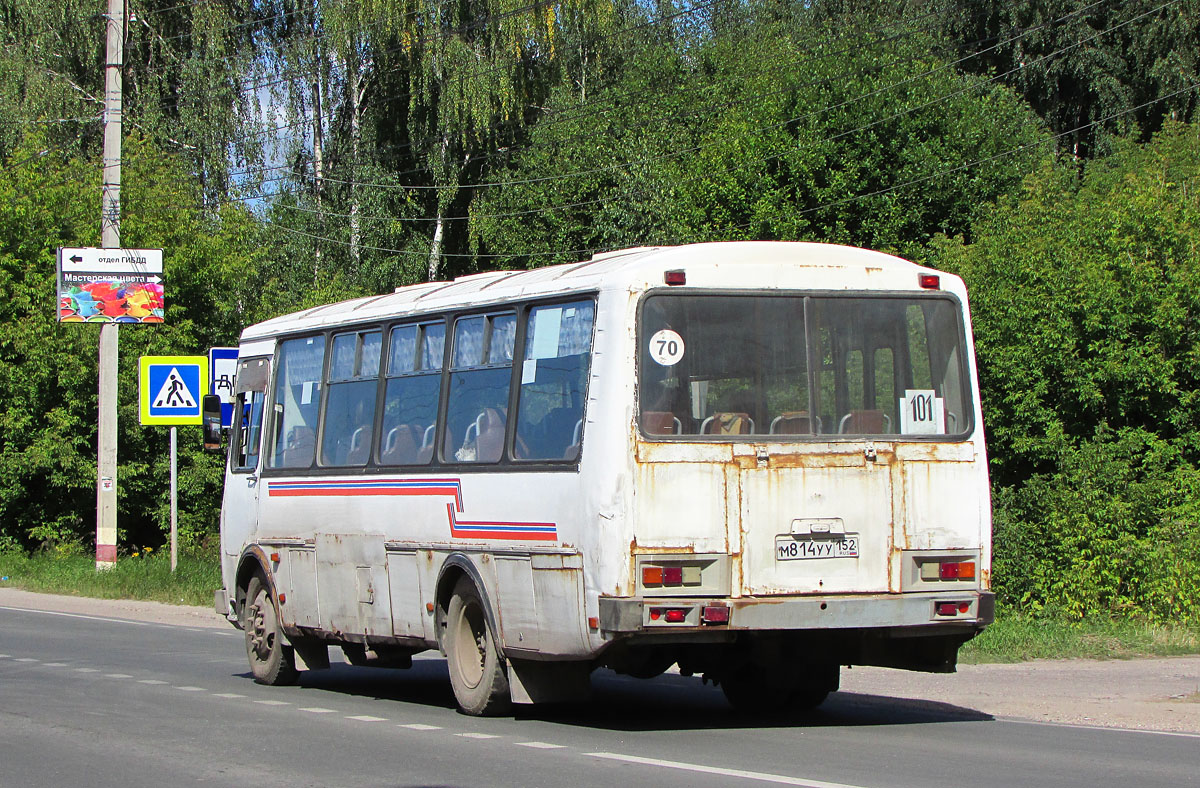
point(1086, 309)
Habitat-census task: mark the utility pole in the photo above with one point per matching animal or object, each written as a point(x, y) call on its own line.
point(110, 238)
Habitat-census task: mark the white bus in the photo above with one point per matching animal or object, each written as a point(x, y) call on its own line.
point(755, 461)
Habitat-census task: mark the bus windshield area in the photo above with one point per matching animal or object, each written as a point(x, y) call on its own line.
point(730, 366)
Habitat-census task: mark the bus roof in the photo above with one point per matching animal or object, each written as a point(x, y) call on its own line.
point(759, 265)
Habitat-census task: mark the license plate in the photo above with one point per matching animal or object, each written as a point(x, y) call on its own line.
point(790, 548)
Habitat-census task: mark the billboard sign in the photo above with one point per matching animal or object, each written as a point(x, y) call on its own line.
point(110, 285)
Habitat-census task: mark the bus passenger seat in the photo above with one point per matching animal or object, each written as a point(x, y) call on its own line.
point(400, 448)
point(489, 440)
point(360, 446)
point(299, 450)
point(865, 422)
point(661, 422)
point(728, 424)
point(794, 422)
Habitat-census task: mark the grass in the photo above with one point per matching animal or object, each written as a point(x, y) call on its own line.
point(1012, 638)
point(146, 577)
point(1015, 638)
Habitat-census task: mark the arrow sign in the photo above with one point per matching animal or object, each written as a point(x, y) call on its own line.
point(110, 285)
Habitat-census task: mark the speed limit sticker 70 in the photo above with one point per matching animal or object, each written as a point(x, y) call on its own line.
point(666, 347)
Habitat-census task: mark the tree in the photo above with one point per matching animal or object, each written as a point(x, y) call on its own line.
point(1086, 303)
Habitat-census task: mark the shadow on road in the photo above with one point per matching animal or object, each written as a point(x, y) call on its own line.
point(619, 703)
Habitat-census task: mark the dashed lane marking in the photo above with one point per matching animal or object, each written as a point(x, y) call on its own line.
point(191, 689)
point(779, 779)
point(227, 695)
point(55, 664)
point(478, 735)
point(26, 659)
point(318, 710)
point(272, 703)
point(420, 726)
point(367, 718)
point(117, 676)
point(87, 670)
point(151, 681)
point(541, 745)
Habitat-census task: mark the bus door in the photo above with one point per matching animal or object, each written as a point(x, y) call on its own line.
point(239, 509)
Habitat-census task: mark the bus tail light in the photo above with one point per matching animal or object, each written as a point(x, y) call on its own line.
point(952, 608)
point(948, 570)
point(715, 614)
point(957, 570)
point(675, 277)
point(929, 281)
point(676, 615)
point(669, 575)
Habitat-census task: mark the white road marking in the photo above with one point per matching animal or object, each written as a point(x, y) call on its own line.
point(227, 695)
point(77, 615)
point(191, 689)
point(273, 702)
point(1180, 734)
point(151, 681)
point(117, 676)
point(541, 745)
point(420, 726)
point(367, 718)
point(781, 779)
point(26, 659)
point(87, 670)
point(478, 735)
point(318, 710)
point(56, 664)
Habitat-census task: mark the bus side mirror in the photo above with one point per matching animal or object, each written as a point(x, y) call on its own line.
point(210, 417)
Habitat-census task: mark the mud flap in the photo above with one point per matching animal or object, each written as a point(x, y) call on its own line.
point(531, 681)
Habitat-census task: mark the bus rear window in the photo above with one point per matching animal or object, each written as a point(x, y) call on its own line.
point(730, 366)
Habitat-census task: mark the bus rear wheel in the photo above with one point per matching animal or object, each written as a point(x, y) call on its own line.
point(754, 689)
point(476, 668)
point(271, 659)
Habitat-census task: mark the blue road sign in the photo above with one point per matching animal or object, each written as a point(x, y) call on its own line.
point(222, 364)
point(171, 388)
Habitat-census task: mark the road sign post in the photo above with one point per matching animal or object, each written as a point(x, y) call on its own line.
point(170, 390)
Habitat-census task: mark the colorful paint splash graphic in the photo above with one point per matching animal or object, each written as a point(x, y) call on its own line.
point(112, 302)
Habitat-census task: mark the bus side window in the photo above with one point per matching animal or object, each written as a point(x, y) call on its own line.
point(297, 399)
point(481, 370)
point(410, 401)
point(350, 399)
point(553, 380)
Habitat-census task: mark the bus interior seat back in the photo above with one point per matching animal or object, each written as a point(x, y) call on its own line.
point(728, 423)
point(400, 448)
point(299, 449)
point(794, 422)
point(661, 422)
point(865, 422)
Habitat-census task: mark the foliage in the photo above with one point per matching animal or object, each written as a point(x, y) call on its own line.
point(1018, 638)
point(48, 370)
point(779, 128)
point(1087, 319)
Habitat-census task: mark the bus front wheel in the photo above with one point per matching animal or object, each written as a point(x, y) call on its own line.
point(476, 668)
point(271, 660)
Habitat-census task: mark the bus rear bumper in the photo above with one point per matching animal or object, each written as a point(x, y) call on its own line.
point(935, 610)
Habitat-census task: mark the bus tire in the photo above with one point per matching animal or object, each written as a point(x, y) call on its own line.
point(476, 668)
point(753, 690)
point(271, 660)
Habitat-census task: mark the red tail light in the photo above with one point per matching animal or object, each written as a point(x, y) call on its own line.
point(676, 616)
point(715, 614)
point(929, 281)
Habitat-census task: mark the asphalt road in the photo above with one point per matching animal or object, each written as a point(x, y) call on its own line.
point(89, 701)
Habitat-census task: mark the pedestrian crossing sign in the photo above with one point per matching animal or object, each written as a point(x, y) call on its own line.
point(171, 388)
